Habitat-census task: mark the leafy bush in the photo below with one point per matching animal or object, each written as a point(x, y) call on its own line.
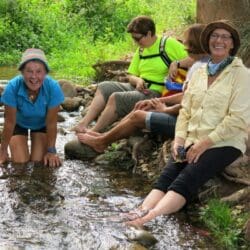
point(75, 34)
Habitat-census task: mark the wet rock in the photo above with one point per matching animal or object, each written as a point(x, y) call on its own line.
point(60, 118)
point(238, 171)
point(120, 158)
point(68, 88)
point(76, 150)
point(142, 236)
point(71, 104)
point(136, 246)
point(238, 196)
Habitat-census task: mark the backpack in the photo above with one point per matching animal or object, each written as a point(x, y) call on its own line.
point(170, 87)
point(162, 53)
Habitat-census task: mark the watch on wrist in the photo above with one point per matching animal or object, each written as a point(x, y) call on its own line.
point(51, 150)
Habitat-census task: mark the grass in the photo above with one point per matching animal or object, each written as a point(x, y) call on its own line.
point(225, 225)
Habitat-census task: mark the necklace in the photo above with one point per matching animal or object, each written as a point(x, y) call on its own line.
point(215, 68)
point(32, 96)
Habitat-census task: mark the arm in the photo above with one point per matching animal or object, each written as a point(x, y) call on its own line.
point(51, 158)
point(137, 82)
point(184, 63)
point(172, 99)
point(9, 125)
point(158, 106)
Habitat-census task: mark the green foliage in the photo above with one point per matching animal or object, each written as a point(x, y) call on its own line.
point(75, 34)
point(224, 225)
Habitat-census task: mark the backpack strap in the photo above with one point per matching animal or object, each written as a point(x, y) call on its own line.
point(162, 52)
point(148, 56)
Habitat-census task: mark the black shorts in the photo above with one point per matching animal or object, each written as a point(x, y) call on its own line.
point(18, 130)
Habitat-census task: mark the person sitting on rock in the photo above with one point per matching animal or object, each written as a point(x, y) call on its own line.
point(157, 115)
point(146, 74)
point(31, 103)
point(211, 128)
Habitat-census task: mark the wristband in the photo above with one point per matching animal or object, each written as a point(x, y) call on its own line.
point(51, 150)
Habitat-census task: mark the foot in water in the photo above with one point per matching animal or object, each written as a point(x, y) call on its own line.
point(92, 139)
point(135, 214)
point(139, 222)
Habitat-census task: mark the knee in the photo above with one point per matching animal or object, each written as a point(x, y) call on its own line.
point(111, 100)
point(137, 116)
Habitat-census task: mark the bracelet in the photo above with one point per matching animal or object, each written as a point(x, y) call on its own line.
point(51, 150)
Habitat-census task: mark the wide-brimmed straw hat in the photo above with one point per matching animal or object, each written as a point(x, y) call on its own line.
point(31, 55)
point(220, 24)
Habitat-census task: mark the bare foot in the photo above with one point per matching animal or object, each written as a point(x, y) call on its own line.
point(79, 129)
point(93, 133)
point(134, 214)
point(139, 222)
point(94, 142)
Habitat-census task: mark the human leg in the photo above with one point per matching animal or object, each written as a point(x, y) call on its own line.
point(95, 108)
point(108, 116)
point(38, 146)
point(19, 145)
point(119, 105)
point(126, 127)
point(161, 123)
point(188, 181)
point(103, 92)
point(170, 203)
point(19, 149)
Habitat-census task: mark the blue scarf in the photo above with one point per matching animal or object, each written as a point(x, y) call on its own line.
point(215, 68)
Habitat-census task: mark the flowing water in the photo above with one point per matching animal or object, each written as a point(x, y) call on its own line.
point(77, 206)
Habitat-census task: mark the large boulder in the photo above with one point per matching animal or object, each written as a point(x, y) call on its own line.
point(71, 104)
point(68, 88)
point(77, 150)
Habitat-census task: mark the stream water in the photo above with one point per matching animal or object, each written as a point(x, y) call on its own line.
point(76, 206)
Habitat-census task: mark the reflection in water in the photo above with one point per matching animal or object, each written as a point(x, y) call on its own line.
point(76, 206)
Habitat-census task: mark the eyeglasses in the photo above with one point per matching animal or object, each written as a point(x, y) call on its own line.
point(223, 37)
point(138, 38)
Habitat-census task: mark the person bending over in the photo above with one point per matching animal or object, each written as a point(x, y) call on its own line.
point(31, 103)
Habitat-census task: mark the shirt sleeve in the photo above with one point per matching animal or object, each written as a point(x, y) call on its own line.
point(175, 49)
point(56, 95)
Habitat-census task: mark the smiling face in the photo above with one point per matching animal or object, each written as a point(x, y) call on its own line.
point(220, 44)
point(34, 73)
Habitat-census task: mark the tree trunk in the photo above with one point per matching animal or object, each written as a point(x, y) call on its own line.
point(236, 11)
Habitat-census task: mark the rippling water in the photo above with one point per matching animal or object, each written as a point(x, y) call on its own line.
point(77, 205)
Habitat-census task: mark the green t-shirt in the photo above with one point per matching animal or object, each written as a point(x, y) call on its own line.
point(154, 69)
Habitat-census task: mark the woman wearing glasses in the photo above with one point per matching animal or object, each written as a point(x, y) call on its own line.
point(211, 126)
point(145, 79)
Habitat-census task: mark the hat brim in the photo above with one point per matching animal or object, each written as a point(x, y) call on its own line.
point(222, 24)
point(22, 64)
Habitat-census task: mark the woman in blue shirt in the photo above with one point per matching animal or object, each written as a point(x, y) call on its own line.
point(31, 102)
